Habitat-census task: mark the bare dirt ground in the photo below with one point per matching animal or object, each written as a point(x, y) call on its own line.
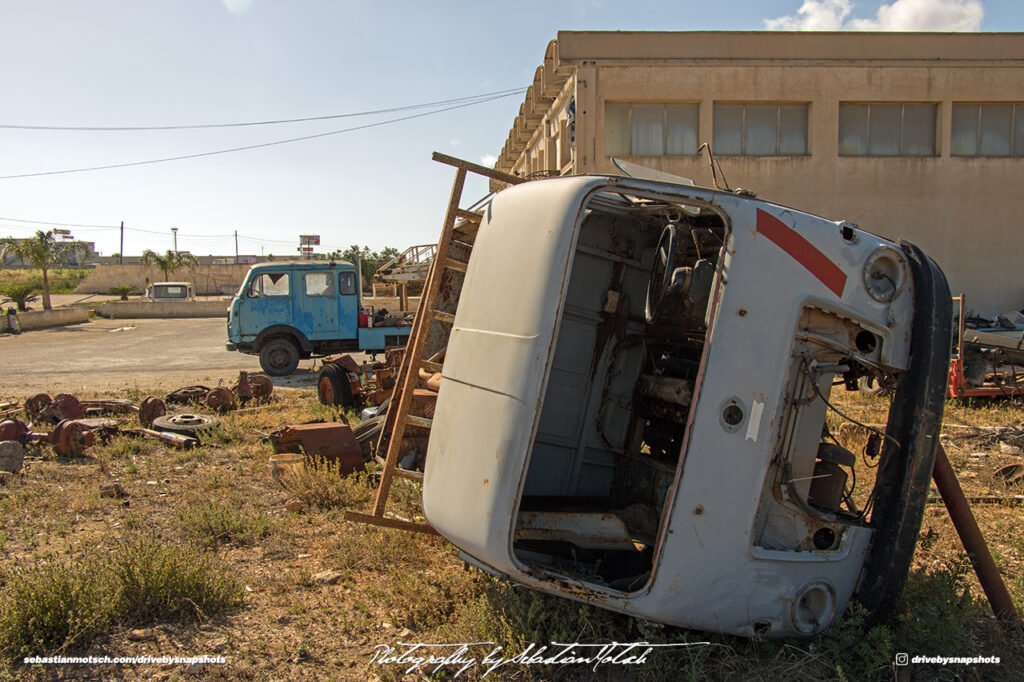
point(116, 355)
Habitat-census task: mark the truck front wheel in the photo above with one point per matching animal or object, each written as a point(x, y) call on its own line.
point(279, 357)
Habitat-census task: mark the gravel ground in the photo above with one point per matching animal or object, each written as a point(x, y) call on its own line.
point(114, 355)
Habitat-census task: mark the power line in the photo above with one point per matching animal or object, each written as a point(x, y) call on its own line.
point(252, 146)
point(482, 97)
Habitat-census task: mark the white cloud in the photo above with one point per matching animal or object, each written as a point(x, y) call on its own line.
point(455, 142)
point(488, 160)
point(900, 15)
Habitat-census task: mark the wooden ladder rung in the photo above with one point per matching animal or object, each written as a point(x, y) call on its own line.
point(442, 316)
point(400, 472)
point(431, 366)
point(420, 421)
point(389, 522)
point(468, 215)
point(456, 265)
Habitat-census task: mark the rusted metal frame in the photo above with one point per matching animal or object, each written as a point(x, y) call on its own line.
point(418, 343)
point(478, 169)
point(388, 522)
point(972, 539)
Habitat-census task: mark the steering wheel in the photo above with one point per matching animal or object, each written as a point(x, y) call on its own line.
point(661, 271)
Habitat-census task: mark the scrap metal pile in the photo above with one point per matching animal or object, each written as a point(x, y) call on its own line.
point(71, 425)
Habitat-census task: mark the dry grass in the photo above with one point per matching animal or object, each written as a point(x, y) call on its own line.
point(219, 507)
point(62, 280)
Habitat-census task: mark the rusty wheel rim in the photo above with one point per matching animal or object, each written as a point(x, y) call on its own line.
point(220, 398)
point(262, 387)
point(151, 408)
point(37, 403)
point(325, 390)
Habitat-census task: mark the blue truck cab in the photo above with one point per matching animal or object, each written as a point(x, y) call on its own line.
point(285, 311)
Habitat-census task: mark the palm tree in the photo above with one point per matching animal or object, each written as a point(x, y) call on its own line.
point(123, 290)
point(170, 261)
point(42, 251)
point(21, 295)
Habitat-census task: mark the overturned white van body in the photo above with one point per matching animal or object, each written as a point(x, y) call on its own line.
point(632, 410)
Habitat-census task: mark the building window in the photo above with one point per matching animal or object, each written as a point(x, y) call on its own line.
point(650, 129)
point(887, 129)
point(987, 130)
point(762, 129)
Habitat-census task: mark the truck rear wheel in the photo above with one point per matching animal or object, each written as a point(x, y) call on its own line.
point(279, 357)
point(332, 386)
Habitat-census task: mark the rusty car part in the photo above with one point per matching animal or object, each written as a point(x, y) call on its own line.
point(262, 386)
point(150, 408)
point(12, 429)
point(219, 398)
point(9, 409)
point(343, 381)
point(973, 541)
point(331, 441)
point(70, 438)
point(187, 394)
point(188, 424)
point(176, 439)
point(36, 404)
point(63, 406)
point(243, 389)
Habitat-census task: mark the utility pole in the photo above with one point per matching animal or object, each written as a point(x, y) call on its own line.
point(175, 231)
point(236, 247)
point(120, 254)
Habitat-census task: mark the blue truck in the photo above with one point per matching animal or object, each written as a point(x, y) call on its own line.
point(285, 311)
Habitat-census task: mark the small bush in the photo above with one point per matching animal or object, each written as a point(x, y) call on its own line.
point(50, 606)
point(63, 604)
point(321, 484)
point(214, 522)
point(158, 581)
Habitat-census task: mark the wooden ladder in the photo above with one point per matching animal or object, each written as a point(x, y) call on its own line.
point(432, 327)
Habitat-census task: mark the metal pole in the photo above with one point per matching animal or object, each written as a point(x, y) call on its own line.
point(236, 247)
point(973, 541)
point(175, 231)
point(120, 254)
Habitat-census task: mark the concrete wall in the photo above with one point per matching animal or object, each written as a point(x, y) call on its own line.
point(40, 319)
point(120, 310)
point(965, 212)
point(207, 280)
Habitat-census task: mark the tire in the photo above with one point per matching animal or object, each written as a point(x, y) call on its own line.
point(367, 434)
point(279, 357)
point(184, 424)
point(869, 385)
point(332, 386)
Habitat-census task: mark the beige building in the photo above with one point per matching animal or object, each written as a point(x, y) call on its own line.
point(918, 136)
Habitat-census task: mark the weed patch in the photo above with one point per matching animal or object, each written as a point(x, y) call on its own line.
point(212, 522)
point(60, 604)
point(320, 483)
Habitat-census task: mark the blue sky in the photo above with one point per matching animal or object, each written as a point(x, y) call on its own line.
point(181, 62)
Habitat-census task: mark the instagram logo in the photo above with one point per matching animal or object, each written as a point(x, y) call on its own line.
point(901, 659)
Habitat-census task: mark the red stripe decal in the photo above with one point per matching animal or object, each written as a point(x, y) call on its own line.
point(805, 253)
